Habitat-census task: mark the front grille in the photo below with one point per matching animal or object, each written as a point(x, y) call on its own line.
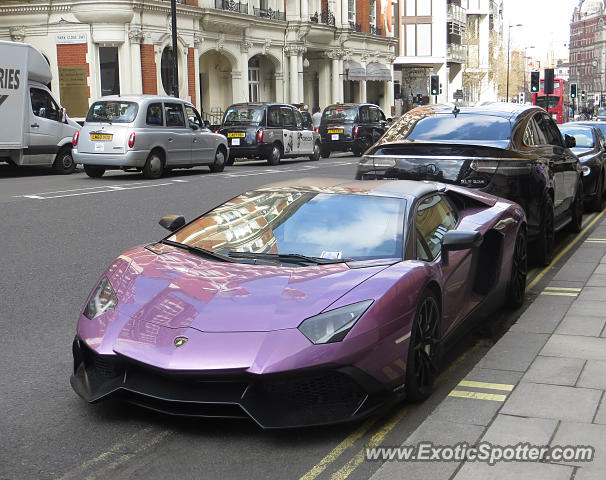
point(106, 367)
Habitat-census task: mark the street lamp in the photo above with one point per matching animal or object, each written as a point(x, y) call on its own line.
point(173, 14)
point(508, 48)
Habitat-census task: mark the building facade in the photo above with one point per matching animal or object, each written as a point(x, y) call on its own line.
point(297, 51)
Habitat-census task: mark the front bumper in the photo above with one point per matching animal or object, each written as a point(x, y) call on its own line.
point(292, 399)
point(132, 158)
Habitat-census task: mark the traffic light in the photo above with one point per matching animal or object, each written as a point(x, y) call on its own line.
point(549, 77)
point(573, 90)
point(522, 97)
point(583, 95)
point(534, 82)
point(434, 84)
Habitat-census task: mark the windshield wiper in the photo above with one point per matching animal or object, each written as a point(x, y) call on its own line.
point(198, 250)
point(293, 257)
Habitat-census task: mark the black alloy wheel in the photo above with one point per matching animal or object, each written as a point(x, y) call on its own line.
point(576, 211)
point(64, 163)
point(544, 244)
point(421, 364)
point(596, 202)
point(274, 155)
point(519, 272)
point(315, 156)
point(94, 171)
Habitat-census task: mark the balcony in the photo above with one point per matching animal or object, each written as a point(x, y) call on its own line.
point(231, 6)
point(356, 27)
point(374, 30)
point(456, 53)
point(326, 17)
point(269, 14)
point(457, 14)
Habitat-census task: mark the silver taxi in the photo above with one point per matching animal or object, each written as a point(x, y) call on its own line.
point(149, 133)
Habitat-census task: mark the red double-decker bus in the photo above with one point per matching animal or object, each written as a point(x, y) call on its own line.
point(558, 101)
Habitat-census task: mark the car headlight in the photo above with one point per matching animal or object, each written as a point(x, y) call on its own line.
point(332, 326)
point(102, 300)
point(586, 170)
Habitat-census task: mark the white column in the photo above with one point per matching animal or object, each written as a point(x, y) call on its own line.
point(294, 77)
point(279, 79)
point(305, 10)
point(236, 87)
point(136, 76)
point(340, 81)
point(244, 47)
point(345, 13)
point(336, 78)
point(300, 77)
point(388, 98)
point(363, 91)
point(324, 84)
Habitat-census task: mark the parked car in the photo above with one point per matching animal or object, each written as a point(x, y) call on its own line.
point(509, 150)
point(270, 131)
point(601, 126)
point(351, 127)
point(591, 150)
point(149, 133)
point(300, 303)
point(601, 115)
point(35, 128)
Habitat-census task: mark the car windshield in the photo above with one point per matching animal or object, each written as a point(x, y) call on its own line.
point(599, 125)
point(320, 225)
point(450, 127)
point(553, 101)
point(243, 116)
point(112, 112)
point(583, 136)
point(339, 114)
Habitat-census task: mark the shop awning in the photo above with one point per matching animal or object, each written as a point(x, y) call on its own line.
point(378, 72)
point(353, 71)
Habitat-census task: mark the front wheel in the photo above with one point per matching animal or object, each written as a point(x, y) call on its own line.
point(315, 156)
point(94, 171)
point(274, 155)
point(422, 355)
point(219, 164)
point(543, 245)
point(519, 271)
point(576, 211)
point(64, 163)
point(154, 166)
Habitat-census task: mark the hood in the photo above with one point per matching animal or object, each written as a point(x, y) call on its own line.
point(178, 290)
point(583, 151)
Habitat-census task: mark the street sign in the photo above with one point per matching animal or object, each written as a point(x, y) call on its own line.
point(458, 95)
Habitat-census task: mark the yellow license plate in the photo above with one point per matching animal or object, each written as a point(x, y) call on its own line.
point(336, 130)
point(100, 136)
point(236, 135)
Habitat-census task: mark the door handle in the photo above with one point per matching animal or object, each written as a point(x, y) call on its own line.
point(35, 125)
point(170, 139)
point(195, 140)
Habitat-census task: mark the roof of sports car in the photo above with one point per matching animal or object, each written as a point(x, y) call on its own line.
point(392, 188)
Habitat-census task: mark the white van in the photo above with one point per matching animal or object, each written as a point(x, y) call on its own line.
point(35, 129)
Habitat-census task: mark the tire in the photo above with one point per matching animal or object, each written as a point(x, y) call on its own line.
point(314, 157)
point(596, 202)
point(324, 152)
point(360, 147)
point(519, 271)
point(421, 365)
point(230, 160)
point(219, 164)
point(154, 166)
point(64, 162)
point(94, 171)
point(275, 155)
point(576, 225)
point(543, 245)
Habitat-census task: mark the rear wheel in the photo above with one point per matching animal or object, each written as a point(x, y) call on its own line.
point(324, 152)
point(230, 160)
point(576, 225)
point(543, 245)
point(154, 166)
point(274, 155)
point(315, 156)
point(596, 202)
point(219, 164)
point(422, 355)
point(94, 171)
point(64, 163)
point(519, 271)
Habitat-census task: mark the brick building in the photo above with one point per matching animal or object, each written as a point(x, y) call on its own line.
point(300, 51)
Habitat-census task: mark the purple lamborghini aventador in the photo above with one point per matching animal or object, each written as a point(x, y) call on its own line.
point(301, 303)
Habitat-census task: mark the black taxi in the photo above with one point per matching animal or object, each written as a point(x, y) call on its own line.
point(351, 127)
point(269, 131)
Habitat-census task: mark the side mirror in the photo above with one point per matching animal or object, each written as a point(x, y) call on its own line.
point(193, 126)
point(459, 240)
point(389, 120)
point(570, 141)
point(63, 115)
point(172, 222)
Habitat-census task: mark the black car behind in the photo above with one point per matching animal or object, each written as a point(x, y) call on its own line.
point(512, 151)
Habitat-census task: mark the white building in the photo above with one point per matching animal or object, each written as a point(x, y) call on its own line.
point(316, 52)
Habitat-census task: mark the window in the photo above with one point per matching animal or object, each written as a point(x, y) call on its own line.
point(274, 120)
point(373, 13)
point(547, 128)
point(174, 115)
point(375, 115)
point(43, 105)
point(288, 117)
point(434, 218)
point(299, 120)
point(109, 71)
point(167, 71)
point(351, 11)
point(112, 111)
point(154, 114)
point(418, 8)
point(364, 115)
point(253, 80)
point(418, 40)
point(193, 116)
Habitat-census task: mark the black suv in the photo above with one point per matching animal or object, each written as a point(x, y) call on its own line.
point(351, 127)
point(271, 131)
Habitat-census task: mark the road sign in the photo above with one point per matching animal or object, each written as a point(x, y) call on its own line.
point(458, 95)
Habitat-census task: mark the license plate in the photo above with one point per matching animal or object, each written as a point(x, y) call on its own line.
point(336, 130)
point(235, 141)
point(236, 135)
point(101, 137)
point(334, 136)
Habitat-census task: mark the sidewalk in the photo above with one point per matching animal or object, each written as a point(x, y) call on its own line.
point(542, 383)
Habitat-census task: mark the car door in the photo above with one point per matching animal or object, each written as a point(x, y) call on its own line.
point(434, 216)
point(376, 118)
point(289, 129)
point(44, 128)
point(202, 145)
point(304, 137)
point(178, 135)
